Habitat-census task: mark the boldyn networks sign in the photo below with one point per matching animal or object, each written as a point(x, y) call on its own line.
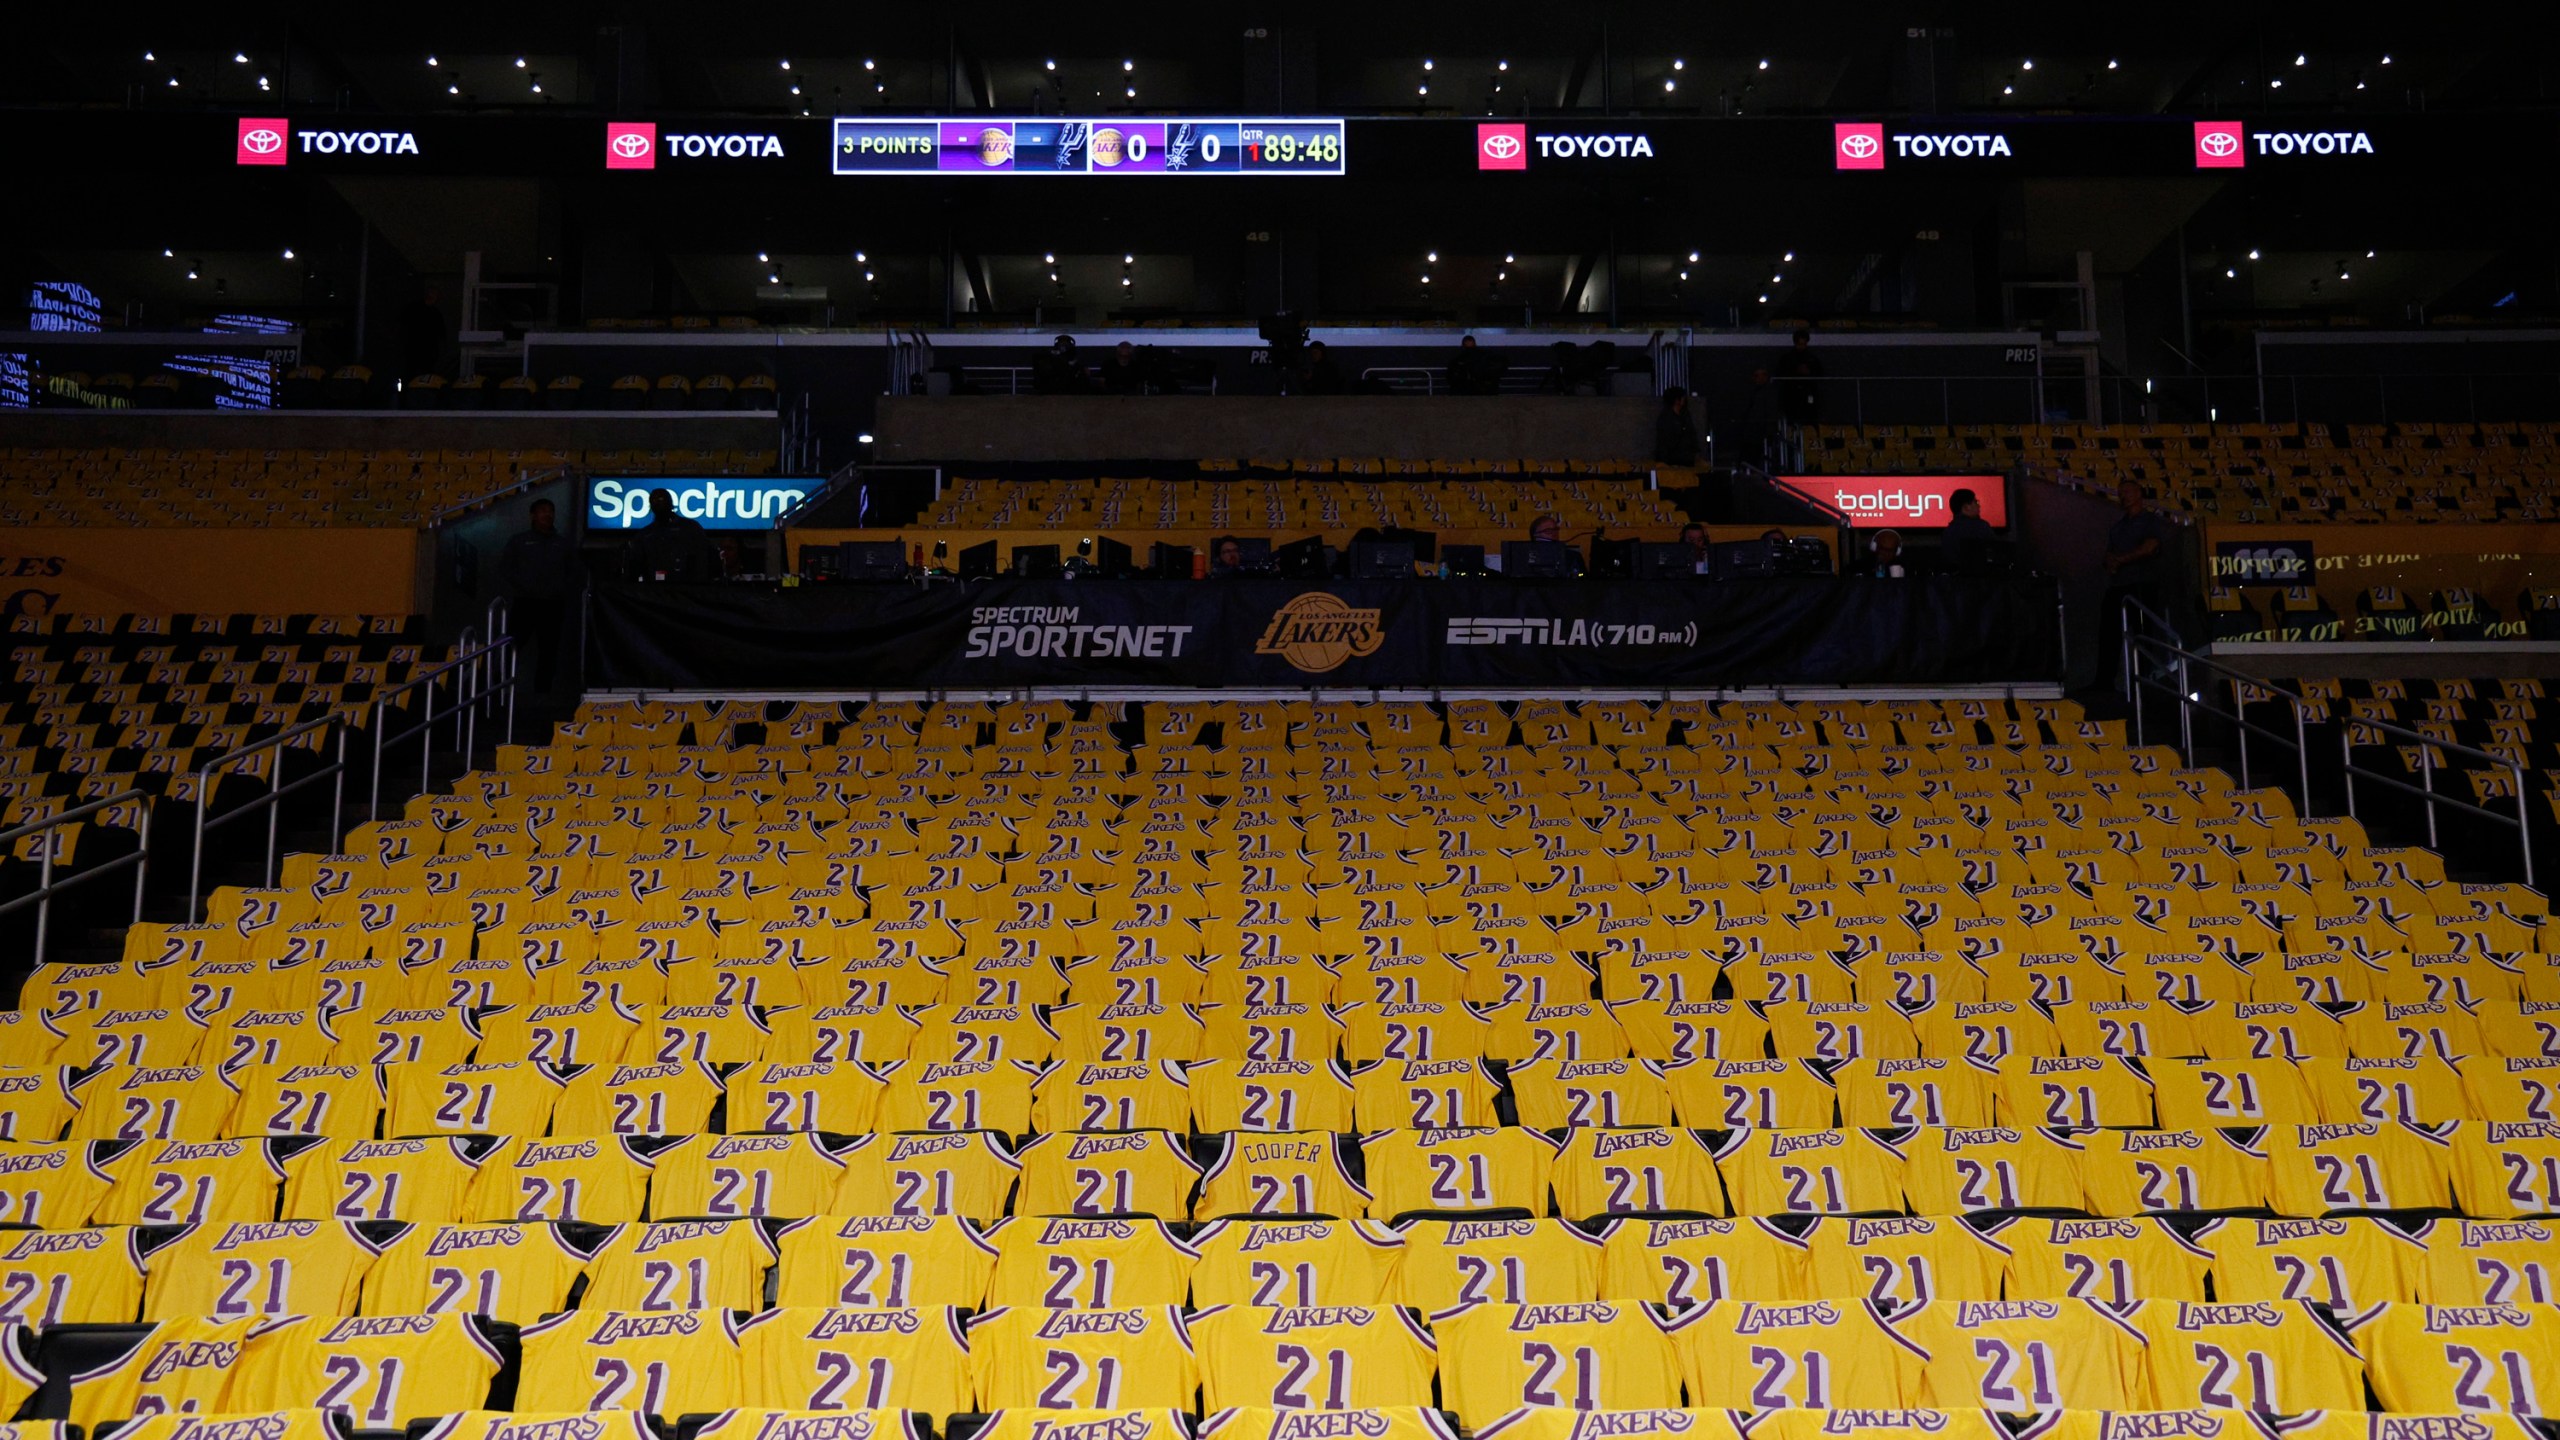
point(718, 502)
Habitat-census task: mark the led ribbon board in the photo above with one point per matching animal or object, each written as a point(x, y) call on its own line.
point(926, 146)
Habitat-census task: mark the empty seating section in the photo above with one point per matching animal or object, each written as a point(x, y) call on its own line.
point(1271, 1059)
point(296, 488)
point(2244, 473)
point(92, 706)
point(2513, 720)
point(1331, 495)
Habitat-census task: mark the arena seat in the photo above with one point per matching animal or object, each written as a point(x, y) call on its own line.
point(1954, 1058)
point(2246, 473)
point(63, 486)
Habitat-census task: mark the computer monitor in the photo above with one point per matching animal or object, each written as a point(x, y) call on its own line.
point(1463, 559)
point(1169, 562)
point(871, 560)
point(1804, 555)
point(1743, 559)
point(1665, 560)
point(1382, 560)
point(1035, 562)
point(1425, 543)
point(1539, 560)
point(978, 562)
point(1303, 559)
point(1256, 550)
point(1113, 558)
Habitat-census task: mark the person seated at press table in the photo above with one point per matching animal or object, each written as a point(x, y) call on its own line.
point(1473, 371)
point(1319, 375)
point(1694, 536)
point(1885, 560)
point(671, 547)
point(1549, 530)
point(1226, 558)
point(1123, 374)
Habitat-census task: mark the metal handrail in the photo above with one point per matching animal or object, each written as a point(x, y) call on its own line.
point(269, 802)
point(2191, 700)
point(523, 482)
point(2426, 786)
point(463, 714)
point(498, 620)
point(2139, 646)
point(41, 897)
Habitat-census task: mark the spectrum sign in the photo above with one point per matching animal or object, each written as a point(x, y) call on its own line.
point(1087, 147)
point(1902, 502)
point(716, 502)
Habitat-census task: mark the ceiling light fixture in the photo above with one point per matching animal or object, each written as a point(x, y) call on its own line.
point(1426, 64)
point(519, 62)
point(1764, 64)
point(239, 57)
point(1048, 64)
point(431, 62)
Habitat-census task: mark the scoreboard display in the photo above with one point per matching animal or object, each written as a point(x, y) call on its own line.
point(1087, 147)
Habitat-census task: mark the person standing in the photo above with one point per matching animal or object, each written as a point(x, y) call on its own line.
point(673, 547)
point(1800, 382)
point(544, 578)
point(2137, 561)
point(1968, 538)
point(1675, 438)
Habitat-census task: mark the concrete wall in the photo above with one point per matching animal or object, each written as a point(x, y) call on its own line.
point(1184, 427)
point(389, 430)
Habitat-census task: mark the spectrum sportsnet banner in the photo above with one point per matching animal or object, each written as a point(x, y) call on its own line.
point(1265, 632)
point(1903, 502)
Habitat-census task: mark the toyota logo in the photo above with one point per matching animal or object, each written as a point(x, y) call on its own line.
point(1502, 147)
point(1859, 147)
point(630, 146)
point(262, 142)
point(2220, 144)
